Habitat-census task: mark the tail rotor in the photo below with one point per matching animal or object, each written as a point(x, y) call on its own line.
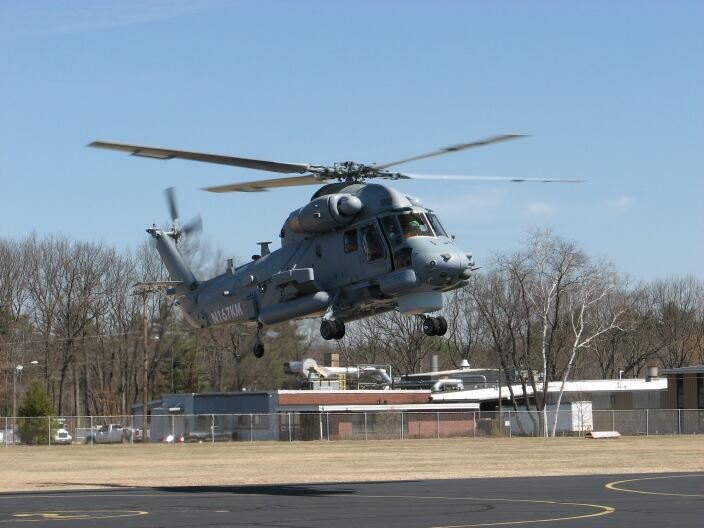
point(194, 226)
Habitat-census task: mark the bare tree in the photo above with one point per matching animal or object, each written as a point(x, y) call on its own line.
point(679, 307)
point(591, 314)
point(465, 331)
point(391, 338)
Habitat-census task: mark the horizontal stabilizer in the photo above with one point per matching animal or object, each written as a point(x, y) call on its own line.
point(145, 287)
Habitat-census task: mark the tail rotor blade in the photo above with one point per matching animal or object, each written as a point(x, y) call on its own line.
point(194, 226)
point(170, 194)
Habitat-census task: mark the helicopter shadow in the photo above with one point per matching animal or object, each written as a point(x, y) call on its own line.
point(273, 490)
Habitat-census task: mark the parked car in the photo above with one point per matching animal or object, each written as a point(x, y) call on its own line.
point(62, 437)
point(109, 434)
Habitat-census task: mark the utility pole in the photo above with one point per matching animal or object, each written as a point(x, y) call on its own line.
point(145, 371)
point(144, 289)
point(501, 406)
point(15, 372)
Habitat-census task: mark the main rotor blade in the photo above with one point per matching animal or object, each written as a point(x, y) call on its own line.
point(453, 148)
point(263, 185)
point(166, 154)
point(170, 194)
point(411, 176)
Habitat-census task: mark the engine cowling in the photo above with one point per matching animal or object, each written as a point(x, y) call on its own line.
point(325, 213)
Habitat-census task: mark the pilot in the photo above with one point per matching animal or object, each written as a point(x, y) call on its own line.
point(413, 228)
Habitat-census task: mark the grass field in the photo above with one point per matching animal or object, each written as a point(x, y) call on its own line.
point(70, 467)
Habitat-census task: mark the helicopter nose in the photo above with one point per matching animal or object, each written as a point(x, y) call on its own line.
point(447, 268)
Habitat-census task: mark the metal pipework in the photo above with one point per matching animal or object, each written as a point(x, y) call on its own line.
point(455, 384)
point(309, 366)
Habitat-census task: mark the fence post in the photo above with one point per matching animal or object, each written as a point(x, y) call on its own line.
point(438, 423)
point(132, 429)
point(679, 421)
point(510, 433)
point(401, 425)
point(173, 432)
point(366, 437)
point(92, 439)
point(290, 435)
point(5, 435)
point(613, 420)
point(251, 427)
point(49, 419)
point(327, 425)
point(474, 419)
point(647, 423)
point(212, 429)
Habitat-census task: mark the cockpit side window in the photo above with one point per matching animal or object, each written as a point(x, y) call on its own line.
point(392, 229)
point(372, 243)
point(414, 224)
point(437, 226)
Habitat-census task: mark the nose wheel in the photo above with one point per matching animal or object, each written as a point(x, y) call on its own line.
point(332, 329)
point(434, 326)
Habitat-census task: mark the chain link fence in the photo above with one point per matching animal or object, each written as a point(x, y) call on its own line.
point(301, 426)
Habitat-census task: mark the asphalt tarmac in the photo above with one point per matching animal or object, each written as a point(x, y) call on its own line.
point(642, 501)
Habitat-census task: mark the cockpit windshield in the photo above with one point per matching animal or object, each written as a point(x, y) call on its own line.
point(437, 226)
point(414, 224)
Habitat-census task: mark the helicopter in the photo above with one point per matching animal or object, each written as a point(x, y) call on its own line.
point(356, 249)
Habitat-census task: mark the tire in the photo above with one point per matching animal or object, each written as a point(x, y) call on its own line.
point(339, 330)
point(441, 324)
point(429, 326)
point(327, 330)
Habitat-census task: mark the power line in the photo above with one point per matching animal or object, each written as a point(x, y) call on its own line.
point(77, 338)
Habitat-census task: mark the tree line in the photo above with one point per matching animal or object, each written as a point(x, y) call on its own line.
point(546, 312)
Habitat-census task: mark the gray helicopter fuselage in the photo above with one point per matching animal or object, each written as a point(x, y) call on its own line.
point(355, 250)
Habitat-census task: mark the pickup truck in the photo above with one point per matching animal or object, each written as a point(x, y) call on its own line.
point(109, 434)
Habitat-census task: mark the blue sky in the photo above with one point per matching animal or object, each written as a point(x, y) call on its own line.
point(610, 92)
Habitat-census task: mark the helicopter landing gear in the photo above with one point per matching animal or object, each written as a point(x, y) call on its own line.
point(434, 326)
point(258, 347)
point(332, 329)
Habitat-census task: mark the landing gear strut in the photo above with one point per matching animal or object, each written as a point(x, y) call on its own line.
point(332, 329)
point(434, 326)
point(258, 347)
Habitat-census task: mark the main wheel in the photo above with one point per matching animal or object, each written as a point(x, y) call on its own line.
point(441, 324)
point(258, 349)
point(328, 329)
point(429, 326)
point(339, 330)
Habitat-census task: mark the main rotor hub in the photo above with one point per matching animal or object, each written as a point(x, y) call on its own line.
point(347, 171)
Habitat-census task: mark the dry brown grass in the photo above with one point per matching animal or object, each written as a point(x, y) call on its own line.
point(65, 467)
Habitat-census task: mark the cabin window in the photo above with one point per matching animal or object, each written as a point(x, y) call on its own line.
point(414, 224)
point(350, 241)
point(372, 243)
point(437, 226)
